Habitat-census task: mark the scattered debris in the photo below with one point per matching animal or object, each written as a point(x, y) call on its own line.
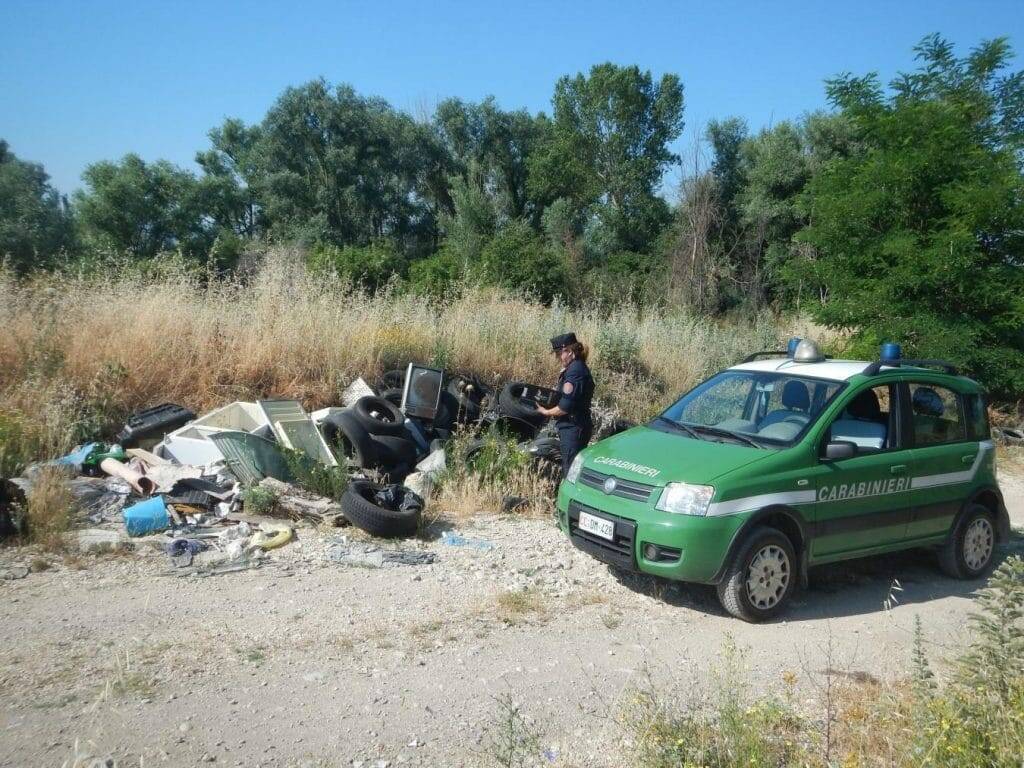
point(514, 503)
point(182, 551)
point(12, 506)
point(371, 556)
point(152, 425)
point(356, 390)
point(147, 517)
point(455, 540)
point(14, 572)
point(297, 504)
point(271, 536)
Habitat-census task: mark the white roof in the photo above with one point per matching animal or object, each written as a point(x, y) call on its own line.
point(833, 370)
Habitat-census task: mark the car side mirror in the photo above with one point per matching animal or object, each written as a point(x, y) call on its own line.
point(839, 449)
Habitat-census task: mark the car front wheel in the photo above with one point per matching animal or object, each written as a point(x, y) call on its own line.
point(761, 577)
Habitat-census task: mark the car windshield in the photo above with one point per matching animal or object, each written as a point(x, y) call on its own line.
point(760, 408)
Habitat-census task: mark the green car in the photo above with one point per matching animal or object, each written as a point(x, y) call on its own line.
point(779, 464)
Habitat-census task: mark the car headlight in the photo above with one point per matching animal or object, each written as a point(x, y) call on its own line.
point(686, 499)
point(574, 469)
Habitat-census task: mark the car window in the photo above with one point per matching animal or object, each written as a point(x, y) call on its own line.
point(977, 417)
point(867, 420)
point(773, 407)
point(726, 399)
point(936, 416)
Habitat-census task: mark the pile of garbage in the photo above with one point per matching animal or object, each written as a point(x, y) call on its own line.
point(199, 483)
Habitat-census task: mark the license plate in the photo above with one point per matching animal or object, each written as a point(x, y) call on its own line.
point(597, 526)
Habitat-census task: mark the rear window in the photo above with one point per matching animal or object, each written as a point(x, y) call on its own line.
point(936, 415)
point(976, 412)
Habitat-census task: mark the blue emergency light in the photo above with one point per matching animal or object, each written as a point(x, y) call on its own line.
point(891, 352)
point(792, 345)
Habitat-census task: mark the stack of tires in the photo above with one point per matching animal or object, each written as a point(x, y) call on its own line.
point(372, 435)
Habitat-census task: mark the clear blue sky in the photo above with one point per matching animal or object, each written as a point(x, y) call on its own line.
point(86, 81)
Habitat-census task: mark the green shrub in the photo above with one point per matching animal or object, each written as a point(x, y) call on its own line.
point(618, 349)
point(259, 500)
point(494, 458)
point(438, 276)
point(518, 259)
point(370, 267)
point(19, 445)
point(315, 477)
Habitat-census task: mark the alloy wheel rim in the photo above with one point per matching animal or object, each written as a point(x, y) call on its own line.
point(768, 577)
point(978, 541)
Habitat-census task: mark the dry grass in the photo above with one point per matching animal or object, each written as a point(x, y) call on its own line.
point(514, 608)
point(78, 352)
point(51, 508)
point(466, 493)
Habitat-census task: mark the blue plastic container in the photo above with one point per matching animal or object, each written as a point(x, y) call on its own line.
point(147, 516)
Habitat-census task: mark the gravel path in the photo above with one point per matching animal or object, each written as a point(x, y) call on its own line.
point(305, 662)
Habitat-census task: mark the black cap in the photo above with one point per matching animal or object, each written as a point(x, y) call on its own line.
point(558, 342)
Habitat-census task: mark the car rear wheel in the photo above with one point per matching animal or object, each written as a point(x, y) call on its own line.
point(969, 550)
point(761, 577)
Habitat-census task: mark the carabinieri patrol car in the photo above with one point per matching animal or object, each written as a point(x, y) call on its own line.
point(779, 464)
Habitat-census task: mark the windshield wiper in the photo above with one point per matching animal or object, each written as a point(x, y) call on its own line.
point(678, 426)
point(735, 435)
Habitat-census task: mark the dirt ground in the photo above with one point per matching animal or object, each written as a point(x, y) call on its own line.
point(307, 662)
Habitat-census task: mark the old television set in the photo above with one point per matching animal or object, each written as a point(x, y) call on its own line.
point(421, 395)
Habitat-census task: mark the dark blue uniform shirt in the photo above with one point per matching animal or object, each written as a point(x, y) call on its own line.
point(575, 402)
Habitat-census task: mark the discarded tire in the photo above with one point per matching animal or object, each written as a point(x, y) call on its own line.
point(379, 417)
point(447, 410)
point(472, 451)
point(351, 438)
point(512, 402)
point(393, 396)
point(469, 394)
point(360, 507)
point(394, 452)
point(520, 429)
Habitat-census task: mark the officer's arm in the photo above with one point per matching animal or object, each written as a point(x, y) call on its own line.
point(570, 391)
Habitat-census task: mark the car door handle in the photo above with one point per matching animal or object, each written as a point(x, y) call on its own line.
point(898, 469)
point(969, 459)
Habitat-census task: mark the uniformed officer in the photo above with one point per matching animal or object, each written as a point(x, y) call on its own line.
point(576, 389)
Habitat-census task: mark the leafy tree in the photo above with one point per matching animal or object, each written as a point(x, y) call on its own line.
point(727, 138)
point(491, 148)
point(333, 166)
point(144, 209)
point(755, 205)
point(35, 222)
point(230, 182)
point(608, 147)
point(918, 237)
point(474, 219)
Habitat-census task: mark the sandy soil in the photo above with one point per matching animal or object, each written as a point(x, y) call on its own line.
point(305, 662)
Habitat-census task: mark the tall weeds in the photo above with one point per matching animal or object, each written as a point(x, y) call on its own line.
point(79, 351)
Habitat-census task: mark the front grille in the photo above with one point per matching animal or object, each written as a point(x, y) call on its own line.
point(627, 489)
point(619, 552)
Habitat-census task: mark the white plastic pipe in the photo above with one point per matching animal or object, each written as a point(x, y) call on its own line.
point(136, 480)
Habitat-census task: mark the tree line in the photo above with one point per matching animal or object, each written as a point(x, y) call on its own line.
point(897, 214)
